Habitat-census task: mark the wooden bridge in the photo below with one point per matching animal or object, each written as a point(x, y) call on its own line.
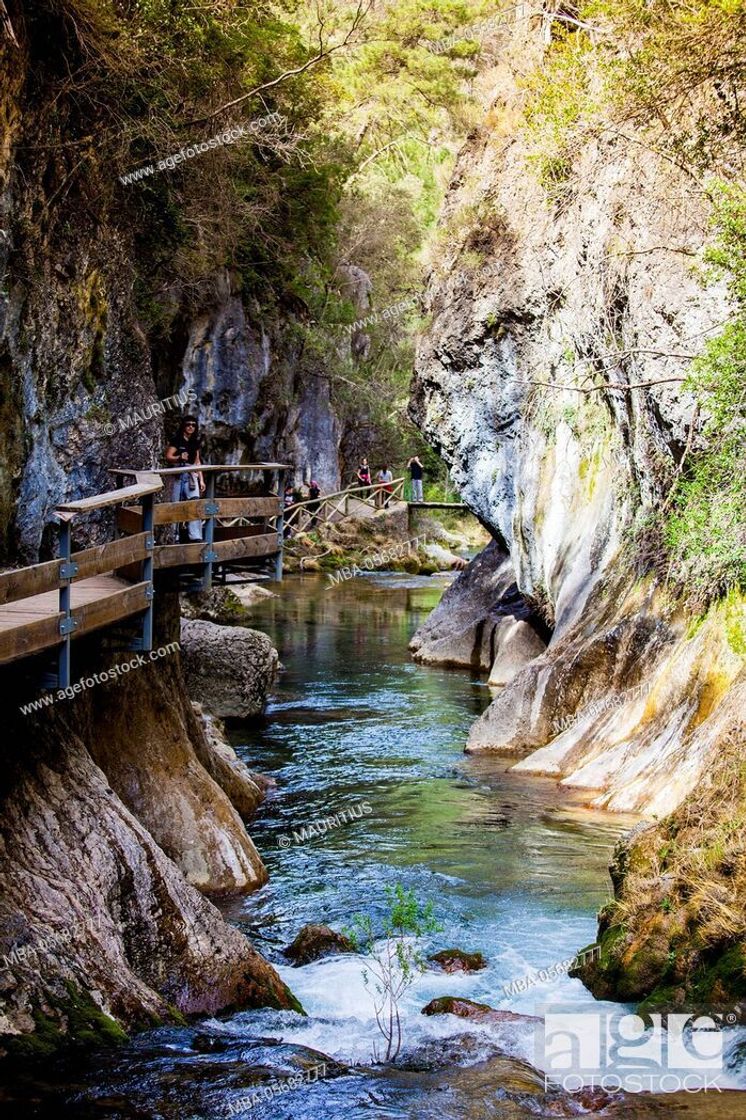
point(43, 607)
point(303, 516)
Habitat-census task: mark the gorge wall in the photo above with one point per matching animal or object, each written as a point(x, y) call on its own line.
point(118, 814)
point(531, 291)
point(634, 698)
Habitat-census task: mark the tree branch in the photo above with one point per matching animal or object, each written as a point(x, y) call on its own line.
point(321, 54)
point(608, 385)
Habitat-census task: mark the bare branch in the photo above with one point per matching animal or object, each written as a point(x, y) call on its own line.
point(608, 385)
point(321, 54)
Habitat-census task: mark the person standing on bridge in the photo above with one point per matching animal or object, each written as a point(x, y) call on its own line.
point(385, 480)
point(184, 451)
point(288, 501)
point(314, 493)
point(363, 472)
point(416, 473)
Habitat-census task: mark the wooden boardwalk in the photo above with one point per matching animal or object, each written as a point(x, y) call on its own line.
point(45, 606)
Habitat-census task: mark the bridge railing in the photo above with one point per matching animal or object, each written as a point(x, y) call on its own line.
point(234, 528)
point(37, 627)
point(331, 507)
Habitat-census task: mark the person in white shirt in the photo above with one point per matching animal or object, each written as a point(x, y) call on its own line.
point(385, 479)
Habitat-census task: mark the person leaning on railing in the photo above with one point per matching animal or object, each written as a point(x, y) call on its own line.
point(184, 450)
point(385, 479)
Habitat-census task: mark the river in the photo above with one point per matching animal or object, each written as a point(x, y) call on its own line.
point(515, 868)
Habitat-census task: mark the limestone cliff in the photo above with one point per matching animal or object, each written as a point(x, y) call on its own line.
point(547, 310)
point(531, 299)
point(115, 817)
point(258, 401)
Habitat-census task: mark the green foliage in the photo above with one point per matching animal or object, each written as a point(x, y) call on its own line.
point(562, 94)
point(705, 531)
point(395, 960)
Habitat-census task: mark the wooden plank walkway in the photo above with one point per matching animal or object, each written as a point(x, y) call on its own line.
point(45, 606)
point(32, 624)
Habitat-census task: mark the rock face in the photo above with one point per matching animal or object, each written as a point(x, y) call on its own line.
point(243, 376)
point(674, 934)
point(482, 622)
point(229, 670)
point(99, 926)
point(152, 760)
point(244, 788)
point(627, 701)
point(316, 941)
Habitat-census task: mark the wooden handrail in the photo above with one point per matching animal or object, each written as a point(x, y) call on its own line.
point(109, 498)
point(214, 468)
point(371, 487)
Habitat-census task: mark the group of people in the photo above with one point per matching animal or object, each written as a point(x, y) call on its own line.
point(184, 451)
point(385, 479)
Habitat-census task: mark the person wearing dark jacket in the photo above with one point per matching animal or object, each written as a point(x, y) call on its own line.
point(416, 474)
point(183, 451)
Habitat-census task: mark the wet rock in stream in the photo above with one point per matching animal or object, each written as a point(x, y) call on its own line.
point(315, 941)
point(456, 960)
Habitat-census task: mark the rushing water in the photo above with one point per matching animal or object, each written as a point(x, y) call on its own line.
point(515, 868)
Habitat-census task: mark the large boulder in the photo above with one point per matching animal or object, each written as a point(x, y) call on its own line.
point(227, 606)
point(478, 1012)
point(456, 960)
point(228, 669)
point(482, 622)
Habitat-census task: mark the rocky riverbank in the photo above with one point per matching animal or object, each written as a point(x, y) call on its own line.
point(122, 814)
point(390, 539)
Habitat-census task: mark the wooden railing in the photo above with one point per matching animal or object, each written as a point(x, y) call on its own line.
point(234, 528)
point(301, 516)
point(30, 623)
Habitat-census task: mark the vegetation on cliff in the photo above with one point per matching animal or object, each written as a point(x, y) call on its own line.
point(675, 933)
point(352, 114)
point(672, 74)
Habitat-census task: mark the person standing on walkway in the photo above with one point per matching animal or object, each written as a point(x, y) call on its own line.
point(183, 451)
point(416, 474)
point(363, 472)
point(288, 501)
point(385, 480)
point(314, 493)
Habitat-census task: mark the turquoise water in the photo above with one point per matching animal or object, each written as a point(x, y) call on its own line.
point(514, 867)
